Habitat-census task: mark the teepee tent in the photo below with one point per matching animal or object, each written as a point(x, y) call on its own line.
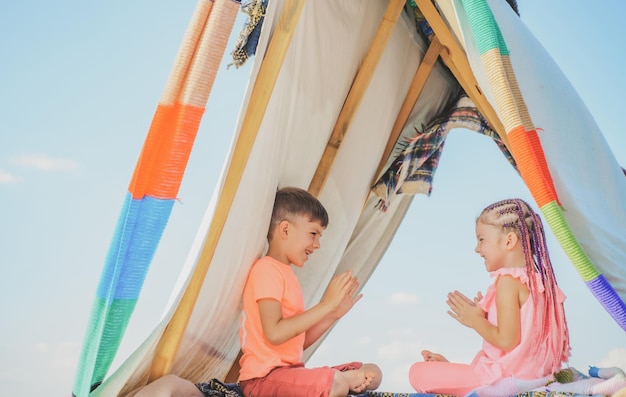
point(334, 83)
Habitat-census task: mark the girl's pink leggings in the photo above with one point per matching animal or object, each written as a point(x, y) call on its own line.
point(443, 377)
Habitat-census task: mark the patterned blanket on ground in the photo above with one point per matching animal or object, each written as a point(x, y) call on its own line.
point(601, 382)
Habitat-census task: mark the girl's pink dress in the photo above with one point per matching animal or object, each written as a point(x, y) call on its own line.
point(493, 364)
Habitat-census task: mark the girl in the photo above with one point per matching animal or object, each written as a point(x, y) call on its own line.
point(521, 317)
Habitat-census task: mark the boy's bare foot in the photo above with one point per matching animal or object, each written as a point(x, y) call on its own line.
point(368, 377)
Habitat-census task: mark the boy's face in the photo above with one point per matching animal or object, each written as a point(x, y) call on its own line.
point(303, 238)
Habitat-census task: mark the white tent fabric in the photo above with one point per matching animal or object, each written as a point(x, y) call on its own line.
point(315, 78)
point(326, 51)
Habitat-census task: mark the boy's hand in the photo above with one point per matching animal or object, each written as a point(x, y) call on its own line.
point(463, 309)
point(339, 295)
point(337, 300)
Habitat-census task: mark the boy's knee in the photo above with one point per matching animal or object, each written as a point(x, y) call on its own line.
point(169, 379)
point(173, 383)
point(340, 386)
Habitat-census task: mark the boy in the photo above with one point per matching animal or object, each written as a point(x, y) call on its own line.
point(275, 329)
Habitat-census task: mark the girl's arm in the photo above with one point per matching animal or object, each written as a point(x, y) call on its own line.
point(506, 335)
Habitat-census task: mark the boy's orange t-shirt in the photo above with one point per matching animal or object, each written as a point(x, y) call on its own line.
point(268, 279)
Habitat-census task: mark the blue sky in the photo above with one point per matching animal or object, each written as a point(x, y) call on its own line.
point(80, 82)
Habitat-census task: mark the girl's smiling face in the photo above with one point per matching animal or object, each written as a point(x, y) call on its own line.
point(490, 245)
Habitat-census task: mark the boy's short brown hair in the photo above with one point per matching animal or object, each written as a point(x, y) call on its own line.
point(292, 201)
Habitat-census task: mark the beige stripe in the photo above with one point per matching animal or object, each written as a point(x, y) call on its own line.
point(176, 79)
point(501, 91)
point(208, 56)
point(522, 109)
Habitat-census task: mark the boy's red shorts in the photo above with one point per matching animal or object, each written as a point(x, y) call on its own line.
point(295, 381)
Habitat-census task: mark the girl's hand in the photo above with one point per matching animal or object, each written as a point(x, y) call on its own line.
point(463, 309)
point(430, 356)
point(478, 298)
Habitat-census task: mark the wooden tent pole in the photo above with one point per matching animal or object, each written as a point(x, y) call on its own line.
point(259, 99)
point(454, 56)
point(357, 91)
point(417, 85)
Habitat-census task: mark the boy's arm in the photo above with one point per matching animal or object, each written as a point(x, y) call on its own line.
point(316, 331)
point(336, 302)
point(278, 330)
point(319, 329)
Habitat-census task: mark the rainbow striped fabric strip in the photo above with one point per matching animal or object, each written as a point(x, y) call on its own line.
point(143, 218)
point(528, 152)
point(153, 188)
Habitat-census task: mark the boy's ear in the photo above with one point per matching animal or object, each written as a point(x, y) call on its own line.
point(283, 229)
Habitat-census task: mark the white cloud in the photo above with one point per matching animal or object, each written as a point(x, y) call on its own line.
point(39, 348)
point(45, 163)
point(7, 177)
point(396, 357)
point(615, 358)
point(396, 377)
point(400, 350)
point(402, 298)
point(363, 340)
point(53, 364)
point(405, 332)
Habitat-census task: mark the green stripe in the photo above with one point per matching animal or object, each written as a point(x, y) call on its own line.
point(554, 216)
point(484, 26)
point(101, 343)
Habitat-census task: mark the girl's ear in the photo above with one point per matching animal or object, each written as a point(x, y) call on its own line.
point(283, 228)
point(511, 239)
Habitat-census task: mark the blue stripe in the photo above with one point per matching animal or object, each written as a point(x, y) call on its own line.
point(137, 235)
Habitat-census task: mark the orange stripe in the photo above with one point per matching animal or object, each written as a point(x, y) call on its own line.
point(531, 162)
point(163, 159)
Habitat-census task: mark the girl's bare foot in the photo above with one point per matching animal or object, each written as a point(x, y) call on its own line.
point(430, 356)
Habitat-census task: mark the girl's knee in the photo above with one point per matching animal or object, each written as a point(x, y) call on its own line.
point(415, 376)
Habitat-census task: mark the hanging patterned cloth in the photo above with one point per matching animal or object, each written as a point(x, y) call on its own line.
point(248, 38)
point(413, 169)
